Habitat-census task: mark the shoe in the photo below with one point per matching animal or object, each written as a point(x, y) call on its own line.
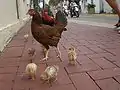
point(118, 24)
point(119, 32)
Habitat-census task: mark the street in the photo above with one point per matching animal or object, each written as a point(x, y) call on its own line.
point(106, 19)
point(100, 18)
point(98, 61)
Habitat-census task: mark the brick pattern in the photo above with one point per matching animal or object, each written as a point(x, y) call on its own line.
point(97, 65)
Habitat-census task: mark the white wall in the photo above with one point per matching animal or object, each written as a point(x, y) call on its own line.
point(96, 2)
point(47, 1)
point(107, 8)
point(97, 8)
point(83, 6)
point(9, 23)
point(23, 8)
point(88, 1)
point(7, 12)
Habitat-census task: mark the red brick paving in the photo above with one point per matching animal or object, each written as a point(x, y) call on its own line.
point(108, 84)
point(97, 66)
point(82, 81)
point(103, 74)
point(103, 63)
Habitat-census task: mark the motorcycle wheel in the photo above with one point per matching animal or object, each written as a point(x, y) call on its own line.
point(77, 14)
point(71, 15)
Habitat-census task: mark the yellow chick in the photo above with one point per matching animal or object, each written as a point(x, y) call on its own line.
point(31, 51)
point(50, 74)
point(72, 56)
point(26, 37)
point(31, 69)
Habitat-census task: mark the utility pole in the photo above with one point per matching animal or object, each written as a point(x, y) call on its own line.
point(43, 4)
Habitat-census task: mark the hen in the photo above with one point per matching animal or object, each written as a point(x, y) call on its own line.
point(48, 20)
point(45, 34)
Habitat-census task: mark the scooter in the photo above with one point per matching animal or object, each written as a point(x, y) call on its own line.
point(74, 11)
point(66, 12)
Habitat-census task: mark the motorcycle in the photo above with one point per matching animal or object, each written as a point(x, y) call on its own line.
point(74, 11)
point(66, 12)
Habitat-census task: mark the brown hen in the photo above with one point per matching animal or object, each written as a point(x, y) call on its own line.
point(45, 34)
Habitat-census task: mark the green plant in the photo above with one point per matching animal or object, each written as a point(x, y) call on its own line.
point(91, 5)
point(113, 11)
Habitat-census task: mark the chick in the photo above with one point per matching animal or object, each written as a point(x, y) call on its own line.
point(31, 51)
point(50, 74)
point(26, 37)
point(72, 56)
point(31, 69)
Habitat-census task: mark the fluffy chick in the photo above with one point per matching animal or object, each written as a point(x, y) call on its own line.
point(72, 56)
point(31, 51)
point(31, 69)
point(50, 74)
point(26, 37)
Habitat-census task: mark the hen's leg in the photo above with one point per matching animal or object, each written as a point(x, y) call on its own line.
point(46, 55)
point(59, 53)
point(46, 50)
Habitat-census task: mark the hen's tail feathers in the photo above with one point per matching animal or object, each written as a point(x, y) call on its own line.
point(61, 18)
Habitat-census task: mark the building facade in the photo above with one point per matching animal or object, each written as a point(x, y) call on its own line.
point(107, 8)
point(101, 6)
point(12, 18)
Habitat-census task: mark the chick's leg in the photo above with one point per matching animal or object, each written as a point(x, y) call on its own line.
point(33, 77)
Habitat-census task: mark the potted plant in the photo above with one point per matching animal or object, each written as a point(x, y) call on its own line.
point(113, 11)
point(91, 8)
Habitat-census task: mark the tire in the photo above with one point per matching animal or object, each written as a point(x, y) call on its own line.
point(77, 14)
point(71, 16)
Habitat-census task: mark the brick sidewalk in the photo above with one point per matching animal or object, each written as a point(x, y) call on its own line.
point(98, 61)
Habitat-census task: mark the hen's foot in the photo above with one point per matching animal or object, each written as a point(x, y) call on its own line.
point(58, 53)
point(118, 24)
point(119, 32)
point(59, 56)
point(46, 58)
point(32, 78)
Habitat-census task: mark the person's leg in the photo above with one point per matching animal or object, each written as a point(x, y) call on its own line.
point(114, 5)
